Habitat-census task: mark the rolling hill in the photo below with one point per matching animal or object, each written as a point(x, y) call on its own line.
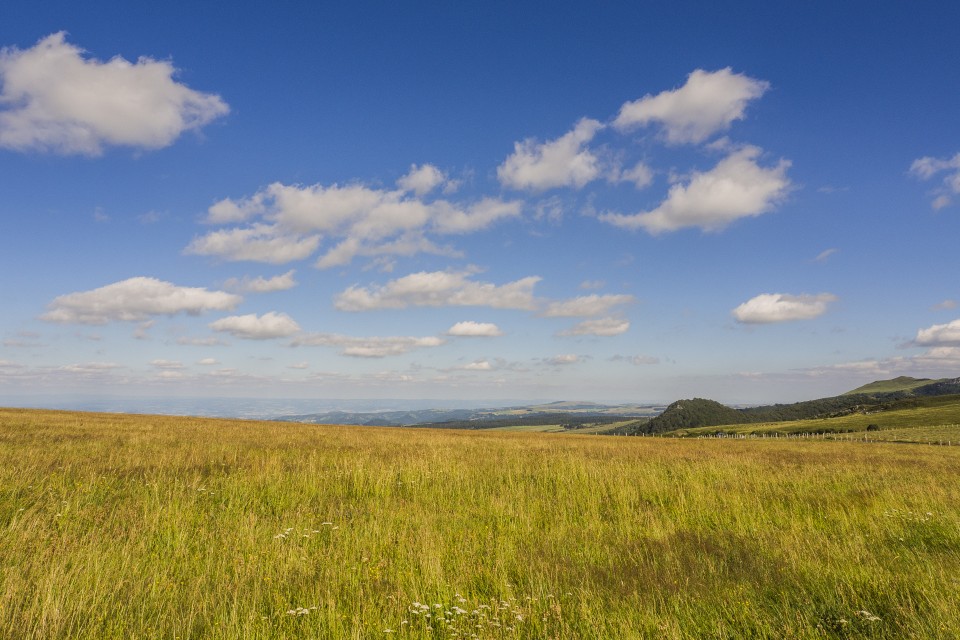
point(882, 395)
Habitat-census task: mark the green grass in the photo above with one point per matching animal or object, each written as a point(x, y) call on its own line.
point(903, 383)
point(155, 527)
point(937, 412)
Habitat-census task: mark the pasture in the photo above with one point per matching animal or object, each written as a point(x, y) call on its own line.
point(120, 526)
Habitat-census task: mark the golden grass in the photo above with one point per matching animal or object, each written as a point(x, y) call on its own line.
point(116, 526)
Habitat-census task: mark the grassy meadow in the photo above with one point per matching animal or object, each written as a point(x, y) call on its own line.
point(115, 526)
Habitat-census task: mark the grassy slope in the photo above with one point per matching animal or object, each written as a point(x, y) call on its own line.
point(156, 527)
point(938, 411)
point(903, 383)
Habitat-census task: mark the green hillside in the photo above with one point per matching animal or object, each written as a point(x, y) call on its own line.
point(930, 419)
point(902, 383)
point(887, 395)
point(682, 414)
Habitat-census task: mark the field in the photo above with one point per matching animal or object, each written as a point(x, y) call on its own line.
point(594, 429)
point(116, 526)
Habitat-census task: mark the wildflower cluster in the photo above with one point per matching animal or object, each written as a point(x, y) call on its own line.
point(305, 533)
point(492, 619)
point(908, 516)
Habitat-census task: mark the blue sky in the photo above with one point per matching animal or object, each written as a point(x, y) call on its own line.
point(495, 200)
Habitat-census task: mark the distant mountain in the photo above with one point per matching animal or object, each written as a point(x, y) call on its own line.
point(881, 395)
point(551, 413)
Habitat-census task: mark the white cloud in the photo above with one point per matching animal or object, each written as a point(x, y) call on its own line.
point(944, 305)
point(708, 103)
point(448, 219)
point(939, 335)
point(299, 365)
point(372, 347)
point(406, 245)
point(253, 327)
point(257, 243)
point(478, 365)
point(135, 300)
point(361, 220)
point(824, 255)
point(602, 327)
point(260, 284)
point(593, 284)
point(167, 364)
point(470, 329)
point(640, 175)
point(927, 167)
point(768, 308)
point(563, 162)
point(737, 187)
point(208, 362)
point(91, 367)
point(55, 99)
point(586, 306)
point(563, 359)
point(439, 289)
point(945, 358)
point(422, 180)
point(941, 361)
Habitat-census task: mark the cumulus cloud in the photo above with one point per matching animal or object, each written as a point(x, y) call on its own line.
point(927, 167)
point(563, 162)
point(254, 327)
point(208, 362)
point(257, 243)
point(769, 308)
point(372, 347)
point(287, 222)
point(135, 300)
point(56, 99)
point(260, 284)
point(439, 289)
point(448, 219)
point(737, 187)
point(939, 335)
point(470, 329)
point(601, 327)
point(422, 180)
point(563, 360)
point(586, 306)
point(709, 102)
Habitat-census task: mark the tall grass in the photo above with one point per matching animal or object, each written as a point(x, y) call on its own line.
point(155, 527)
